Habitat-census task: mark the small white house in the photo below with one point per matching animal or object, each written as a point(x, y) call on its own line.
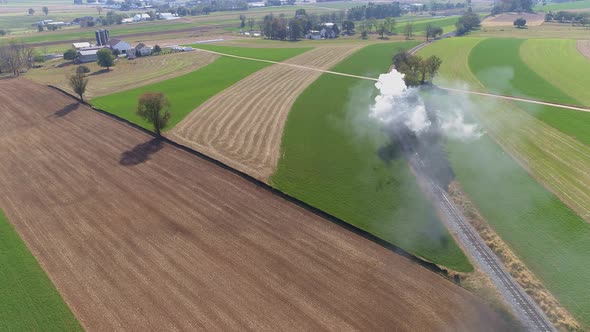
point(141, 17)
point(142, 49)
point(117, 44)
point(167, 16)
point(127, 20)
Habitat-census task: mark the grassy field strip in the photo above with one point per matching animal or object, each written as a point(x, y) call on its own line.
point(551, 239)
point(28, 299)
point(548, 236)
point(272, 55)
point(330, 159)
point(243, 125)
point(555, 7)
point(126, 74)
point(505, 73)
point(188, 91)
point(558, 61)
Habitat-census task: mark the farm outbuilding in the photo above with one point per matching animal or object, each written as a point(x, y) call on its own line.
point(88, 55)
point(120, 45)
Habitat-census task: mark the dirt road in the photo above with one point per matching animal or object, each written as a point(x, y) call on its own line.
point(139, 235)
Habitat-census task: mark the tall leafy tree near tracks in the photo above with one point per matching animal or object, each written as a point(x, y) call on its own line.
point(78, 83)
point(105, 58)
point(31, 11)
point(45, 10)
point(154, 107)
point(409, 30)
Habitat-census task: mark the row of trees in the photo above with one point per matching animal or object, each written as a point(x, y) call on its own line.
point(568, 17)
point(376, 11)
point(417, 70)
point(15, 57)
point(520, 6)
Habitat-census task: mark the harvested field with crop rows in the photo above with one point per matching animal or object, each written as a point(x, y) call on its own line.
point(136, 234)
point(243, 125)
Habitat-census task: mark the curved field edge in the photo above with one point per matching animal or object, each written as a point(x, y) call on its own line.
point(185, 92)
point(506, 73)
point(560, 62)
point(28, 299)
point(549, 237)
point(330, 159)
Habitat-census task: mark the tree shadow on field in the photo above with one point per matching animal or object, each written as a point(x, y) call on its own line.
point(100, 72)
point(141, 153)
point(66, 110)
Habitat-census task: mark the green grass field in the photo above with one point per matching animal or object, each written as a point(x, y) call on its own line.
point(185, 92)
point(549, 237)
point(506, 73)
point(28, 299)
point(273, 54)
point(558, 61)
point(331, 161)
point(419, 25)
point(555, 7)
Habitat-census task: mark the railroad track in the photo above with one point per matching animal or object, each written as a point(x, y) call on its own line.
point(534, 318)
point(527, 310)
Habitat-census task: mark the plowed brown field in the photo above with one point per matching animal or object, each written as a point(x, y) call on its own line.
point(139, 235)
point(243, 125)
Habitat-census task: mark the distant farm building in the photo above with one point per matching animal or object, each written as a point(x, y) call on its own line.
point(119, 45)
point(142, 50)
point(102, 37)
point(141, 17)
point(167, 16)
point(88, 54)
point(81, 45)
point(328, 31)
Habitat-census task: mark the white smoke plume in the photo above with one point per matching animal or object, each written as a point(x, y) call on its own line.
point(398, 104)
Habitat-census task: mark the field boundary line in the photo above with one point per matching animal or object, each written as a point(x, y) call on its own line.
point(521, 99)
point(291, 65)
point(262, 185)
point(415, 49)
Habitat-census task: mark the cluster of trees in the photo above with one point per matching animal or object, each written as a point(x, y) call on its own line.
point(467, 22)
point(568, 17)
point(434, 6)
point(376, 11)
point(295, 28)
point(520, 6)
point(15, 57)
point(417, 70)
point(519, 22)
point(386, 26)
point(433, 31)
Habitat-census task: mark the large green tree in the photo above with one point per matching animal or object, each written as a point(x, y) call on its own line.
point(78, 83)
point(154, 107)
point(105, 58)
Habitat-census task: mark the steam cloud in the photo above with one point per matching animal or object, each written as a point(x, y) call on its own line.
point(397, 104)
